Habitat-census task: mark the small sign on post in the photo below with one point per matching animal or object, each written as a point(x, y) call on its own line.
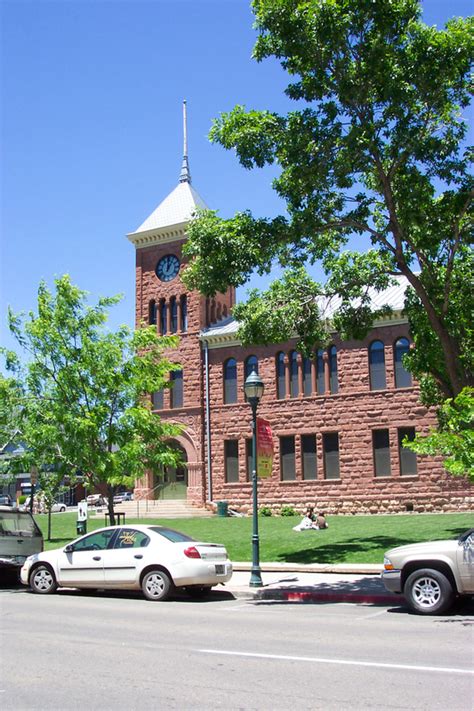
point(81, 525)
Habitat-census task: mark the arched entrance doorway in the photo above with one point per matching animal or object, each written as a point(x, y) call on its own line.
point(173, 482)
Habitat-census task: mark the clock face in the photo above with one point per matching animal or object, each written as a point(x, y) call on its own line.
point(167, 268)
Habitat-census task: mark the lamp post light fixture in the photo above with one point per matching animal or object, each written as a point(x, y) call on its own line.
point(253, 388)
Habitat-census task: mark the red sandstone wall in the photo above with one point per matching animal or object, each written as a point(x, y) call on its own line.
point(354, 412)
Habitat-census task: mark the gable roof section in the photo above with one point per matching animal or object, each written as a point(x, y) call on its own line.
point(225, 333)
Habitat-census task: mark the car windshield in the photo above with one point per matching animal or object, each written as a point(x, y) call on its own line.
point(17, 523)
point(171, 534)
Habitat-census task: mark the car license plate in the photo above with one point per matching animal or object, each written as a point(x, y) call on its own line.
point(220, 569)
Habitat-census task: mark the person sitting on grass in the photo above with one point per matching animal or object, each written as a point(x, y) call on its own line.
point(321, 521)
point(308, 521)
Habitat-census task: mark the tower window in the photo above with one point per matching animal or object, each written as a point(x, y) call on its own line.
point(173, 314)
point(152, 313)
point(320, 383)
point(184, 313)
point(294, 389)
point(176, 392)
point(163, 314)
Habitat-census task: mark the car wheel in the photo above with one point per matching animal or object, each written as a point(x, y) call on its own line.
point(428, 592)
point(156, 585)
point(42, 580)
point(62, 509)
point(198, 592)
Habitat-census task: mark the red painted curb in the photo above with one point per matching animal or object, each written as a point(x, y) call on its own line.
point(361, 598)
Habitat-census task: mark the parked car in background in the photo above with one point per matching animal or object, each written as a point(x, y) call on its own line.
point(431, 575)
point(6, 500)
point(96, 500)
point(41, 507)
point(154, 559)
point(19, 537)
point(123, 496)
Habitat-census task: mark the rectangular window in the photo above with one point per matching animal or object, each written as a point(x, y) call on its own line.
point(381, 451)
point(408, 465)
point(331, 455)
point(157, 400)
point(248, 458)
point(176, 392)
point(308, 454)
point(320, 383)
point(287, 458)
point(231, 455)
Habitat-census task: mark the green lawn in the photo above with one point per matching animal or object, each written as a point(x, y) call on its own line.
point(349, 539)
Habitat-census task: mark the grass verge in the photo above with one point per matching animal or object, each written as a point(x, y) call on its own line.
point(349, 539)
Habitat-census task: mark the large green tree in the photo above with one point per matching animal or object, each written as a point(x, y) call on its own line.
point(374, 152)
point(79, 399)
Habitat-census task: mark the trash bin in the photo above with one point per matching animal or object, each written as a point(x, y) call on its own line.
point(81, 527)
point(222, 507)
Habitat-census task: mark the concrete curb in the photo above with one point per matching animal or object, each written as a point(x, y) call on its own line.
point(292, 595)
point(340, 568)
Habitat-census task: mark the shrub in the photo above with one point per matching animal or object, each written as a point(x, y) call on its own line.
point(265, 511)
point(287, 511)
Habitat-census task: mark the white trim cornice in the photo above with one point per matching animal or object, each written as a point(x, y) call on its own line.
point(149, 238)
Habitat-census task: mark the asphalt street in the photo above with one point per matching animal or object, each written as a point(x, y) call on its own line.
point(118, 651)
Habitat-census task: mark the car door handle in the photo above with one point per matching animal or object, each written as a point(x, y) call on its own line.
point(96, 557)
point(139, 556)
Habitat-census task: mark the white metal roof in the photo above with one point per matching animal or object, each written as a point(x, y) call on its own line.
point(394, 297)
point(175, 209)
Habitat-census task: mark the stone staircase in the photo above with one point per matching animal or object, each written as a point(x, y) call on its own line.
point(162, 508)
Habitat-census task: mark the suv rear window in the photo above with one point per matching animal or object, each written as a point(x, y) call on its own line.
point(18, 523)
point(171, 534)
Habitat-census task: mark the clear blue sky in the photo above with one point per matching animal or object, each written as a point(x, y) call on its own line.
point(91, 94)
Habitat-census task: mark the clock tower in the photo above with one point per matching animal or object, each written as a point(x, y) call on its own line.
point(163, 300)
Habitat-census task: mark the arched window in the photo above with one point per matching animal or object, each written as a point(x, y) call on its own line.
point(173, 315)
point(294, 389)
point(230, 380)
point(184, 313)
point(163, 327)
point(402, 376)
point(251, 366)
point(333, 382)
point(378, 380)
point(280, 373)
point(320, 384)
point(307, 382)
point(152, 313)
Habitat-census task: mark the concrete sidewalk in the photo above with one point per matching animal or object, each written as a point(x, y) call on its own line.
point(359, 583)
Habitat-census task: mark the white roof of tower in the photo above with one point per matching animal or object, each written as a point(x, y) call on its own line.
point(178, 207)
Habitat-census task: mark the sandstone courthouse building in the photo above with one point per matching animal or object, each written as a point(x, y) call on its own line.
point(338, 418)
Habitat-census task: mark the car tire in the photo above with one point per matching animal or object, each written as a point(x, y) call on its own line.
point(42, 580)
point(62, 509)
point(156, 585)
point(428, 592)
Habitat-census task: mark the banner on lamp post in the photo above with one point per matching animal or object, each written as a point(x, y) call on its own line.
point(264, 448)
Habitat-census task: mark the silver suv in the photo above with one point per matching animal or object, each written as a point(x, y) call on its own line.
point(20, 537)
point(431, 575)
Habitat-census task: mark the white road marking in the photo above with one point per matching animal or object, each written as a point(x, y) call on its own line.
point(347, 662)
point(375, 614)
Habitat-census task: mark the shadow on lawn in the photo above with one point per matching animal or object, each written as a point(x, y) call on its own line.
point(340, 552)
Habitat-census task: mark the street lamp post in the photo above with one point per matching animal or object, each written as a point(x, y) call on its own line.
point(253, 388)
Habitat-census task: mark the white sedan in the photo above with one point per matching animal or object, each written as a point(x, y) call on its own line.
point(154, 559)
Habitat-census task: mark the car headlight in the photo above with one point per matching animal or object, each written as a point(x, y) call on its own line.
point(387, 563)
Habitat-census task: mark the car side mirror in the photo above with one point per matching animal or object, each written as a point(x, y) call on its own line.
point(69, 548)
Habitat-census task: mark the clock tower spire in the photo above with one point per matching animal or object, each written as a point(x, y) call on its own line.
point(185, 175)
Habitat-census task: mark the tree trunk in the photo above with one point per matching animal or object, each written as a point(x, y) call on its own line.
point(110, 503)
